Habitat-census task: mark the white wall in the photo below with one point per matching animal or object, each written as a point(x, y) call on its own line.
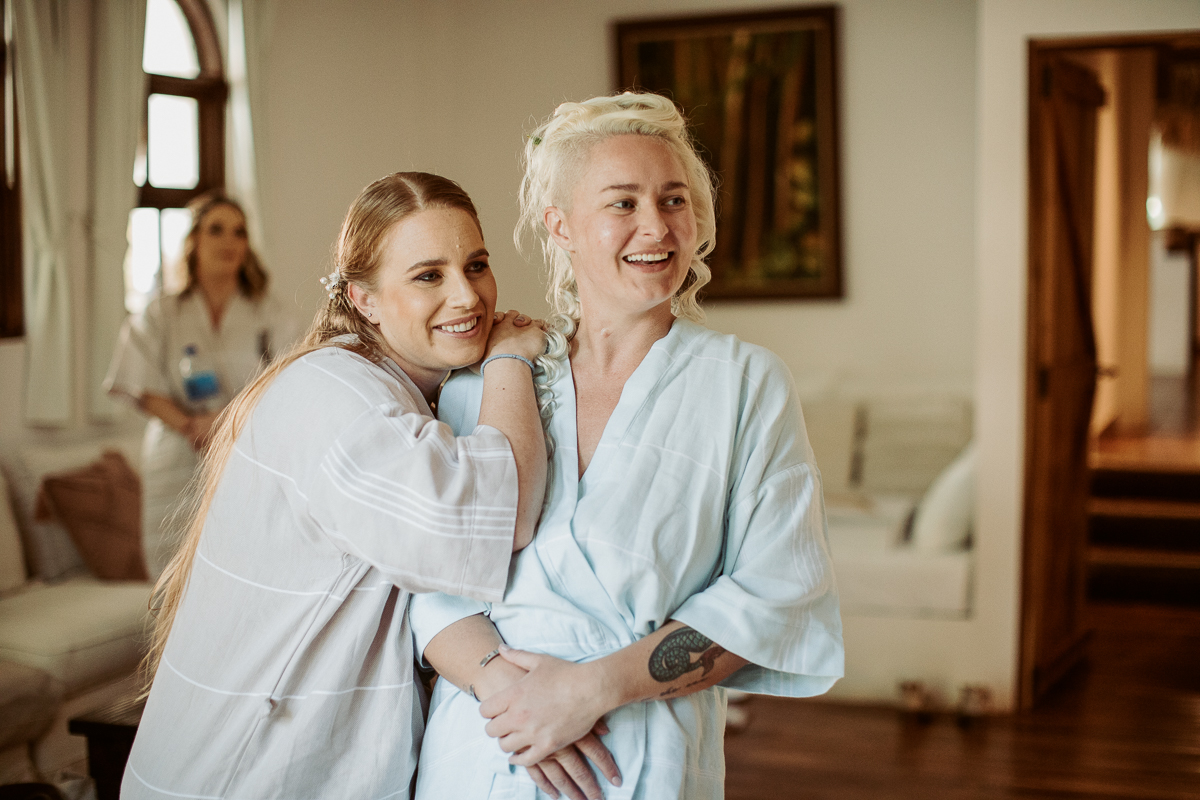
point(1170, 310)
point(1005, 26)
point(359, 90)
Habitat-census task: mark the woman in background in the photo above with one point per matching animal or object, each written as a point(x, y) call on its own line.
point(282, 658)
point(682, 548)
point(184, 358)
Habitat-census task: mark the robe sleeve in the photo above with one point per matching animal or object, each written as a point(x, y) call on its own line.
point(774, 601)
point(138, 366)
point(430, 614)
point(432, 511)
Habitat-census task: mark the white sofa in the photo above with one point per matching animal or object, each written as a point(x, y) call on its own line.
point(898, 476)
point(80, 637)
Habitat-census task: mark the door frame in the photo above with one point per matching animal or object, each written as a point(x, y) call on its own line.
point(1039, 50)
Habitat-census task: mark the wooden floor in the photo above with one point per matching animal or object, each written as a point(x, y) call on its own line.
point(1171, 440)
point(1125, 726)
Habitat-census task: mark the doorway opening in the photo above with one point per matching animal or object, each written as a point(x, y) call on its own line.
point(1112, 510)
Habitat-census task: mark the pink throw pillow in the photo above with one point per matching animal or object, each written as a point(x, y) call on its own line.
point(100, 505)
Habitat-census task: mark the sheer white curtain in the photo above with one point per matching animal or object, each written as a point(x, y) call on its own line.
point(250, 23)
point(40, 44)
point(118, 107)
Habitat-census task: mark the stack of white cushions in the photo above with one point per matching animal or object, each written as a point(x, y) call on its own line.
point(881, 572)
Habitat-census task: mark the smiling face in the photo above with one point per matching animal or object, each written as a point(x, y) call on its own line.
point(435, 295)
point(631, 230)
point(221, 242)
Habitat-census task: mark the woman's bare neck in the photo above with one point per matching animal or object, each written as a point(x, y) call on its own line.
point(613, 345)
point(604, 354)
point(217, 292)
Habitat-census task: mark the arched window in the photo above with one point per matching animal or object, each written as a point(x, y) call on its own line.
point(182, 149)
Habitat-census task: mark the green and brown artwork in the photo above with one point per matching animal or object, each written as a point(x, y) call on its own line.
point(758, 95)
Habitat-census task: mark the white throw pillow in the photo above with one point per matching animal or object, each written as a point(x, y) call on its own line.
point(945, 515)
point(12, 558)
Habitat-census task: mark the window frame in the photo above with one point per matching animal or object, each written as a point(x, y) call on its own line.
point(12, 306)
point(210, 90)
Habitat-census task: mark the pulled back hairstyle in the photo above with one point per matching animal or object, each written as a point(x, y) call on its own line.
point(556, 155)
point(252, 277)
point(357, 257)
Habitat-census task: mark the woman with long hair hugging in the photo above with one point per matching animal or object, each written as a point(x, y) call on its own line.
point(682, 548)
point(282, 659)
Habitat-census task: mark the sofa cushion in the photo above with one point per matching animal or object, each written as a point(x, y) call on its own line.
point(12, 561)
point(833, 431)
point(29, 699)
point(867, 523)
point(82, 631)
point(944, 518)
point(909, 440)
point(49, 551)
point(100, 505)
point(903, 582)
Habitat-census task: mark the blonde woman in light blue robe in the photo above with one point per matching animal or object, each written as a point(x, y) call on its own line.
point(682, 549)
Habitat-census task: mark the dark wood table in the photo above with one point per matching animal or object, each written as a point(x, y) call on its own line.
point(109, 730)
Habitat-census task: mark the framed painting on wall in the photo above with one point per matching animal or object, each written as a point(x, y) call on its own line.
point(759, 93)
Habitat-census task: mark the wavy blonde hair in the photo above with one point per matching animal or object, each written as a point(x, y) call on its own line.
point(357, 257)
point(555, 156)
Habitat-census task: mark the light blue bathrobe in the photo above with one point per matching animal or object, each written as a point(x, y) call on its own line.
point(701, 504)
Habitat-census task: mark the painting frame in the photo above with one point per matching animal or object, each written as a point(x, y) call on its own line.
point(760, 91)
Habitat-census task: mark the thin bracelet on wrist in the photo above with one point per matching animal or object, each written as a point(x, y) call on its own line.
point(483, 662)
point(523, 359)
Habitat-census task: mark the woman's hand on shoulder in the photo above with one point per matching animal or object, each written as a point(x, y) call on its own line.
point(516, 334)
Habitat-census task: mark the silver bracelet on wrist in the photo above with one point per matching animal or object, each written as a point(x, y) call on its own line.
point(483, 662)
point(490, 359)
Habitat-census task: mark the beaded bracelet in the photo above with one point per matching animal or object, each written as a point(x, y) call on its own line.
point(490, 359)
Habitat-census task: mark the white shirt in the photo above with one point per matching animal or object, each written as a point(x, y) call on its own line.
point(151, 346)
point(147, 361)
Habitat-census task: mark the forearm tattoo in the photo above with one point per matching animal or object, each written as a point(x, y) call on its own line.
point(673, 656)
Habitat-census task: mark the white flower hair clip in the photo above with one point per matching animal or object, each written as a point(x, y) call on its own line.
point(332, 282)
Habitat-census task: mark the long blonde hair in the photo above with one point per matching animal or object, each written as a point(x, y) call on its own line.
point(556, 153)
point(338, 323)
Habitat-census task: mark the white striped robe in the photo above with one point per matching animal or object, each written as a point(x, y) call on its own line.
point(289, 670)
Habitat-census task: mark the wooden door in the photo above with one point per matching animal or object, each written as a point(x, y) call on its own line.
point(1061, 368)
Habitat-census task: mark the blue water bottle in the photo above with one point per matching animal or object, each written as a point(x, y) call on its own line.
point(200, 382)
